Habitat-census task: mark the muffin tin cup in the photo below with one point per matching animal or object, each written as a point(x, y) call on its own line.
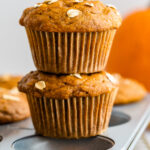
point(70, 52)
point(71, 118)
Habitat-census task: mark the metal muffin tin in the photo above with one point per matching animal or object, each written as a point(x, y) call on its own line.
point(126, 126)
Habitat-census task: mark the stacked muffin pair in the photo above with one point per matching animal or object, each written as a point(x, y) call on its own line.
point(70, 96)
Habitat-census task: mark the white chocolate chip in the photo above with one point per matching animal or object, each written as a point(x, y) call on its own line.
point(112, 78)
point(37, 5)
point(111, 6)
point(51, 1)
point(78, 1)
point(73, 13)
point(76, 75)
point(89, 4)
point(14, 91)
point(118, 13)
point(10, 97)
point(40, 85)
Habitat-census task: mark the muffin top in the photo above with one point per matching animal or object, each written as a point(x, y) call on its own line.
point(63, 87)
point(71, 16)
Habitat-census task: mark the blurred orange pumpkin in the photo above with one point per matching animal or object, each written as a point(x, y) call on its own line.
point(130, 53)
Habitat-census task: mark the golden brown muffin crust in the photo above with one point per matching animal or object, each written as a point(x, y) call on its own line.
point(93, 16)
point(64, 87)
point(129, 90)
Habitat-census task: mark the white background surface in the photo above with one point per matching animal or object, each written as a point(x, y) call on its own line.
point(14, 49)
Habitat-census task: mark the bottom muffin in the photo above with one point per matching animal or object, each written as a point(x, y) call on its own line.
point(72, 106)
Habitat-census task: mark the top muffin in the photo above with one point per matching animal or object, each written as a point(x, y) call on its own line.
point(71, 16)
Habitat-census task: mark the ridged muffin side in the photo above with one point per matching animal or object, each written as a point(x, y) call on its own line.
point(73, 106)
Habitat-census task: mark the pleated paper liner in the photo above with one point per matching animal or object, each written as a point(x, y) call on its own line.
point(71, 118)
point(56, 52)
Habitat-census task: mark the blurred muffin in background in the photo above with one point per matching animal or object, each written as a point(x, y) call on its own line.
point(129, 91)
point(9, 81)
point(13, 104)
point(131, 48)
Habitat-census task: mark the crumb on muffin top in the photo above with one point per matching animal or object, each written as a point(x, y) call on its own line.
point(71, 16)
point(63, 87)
